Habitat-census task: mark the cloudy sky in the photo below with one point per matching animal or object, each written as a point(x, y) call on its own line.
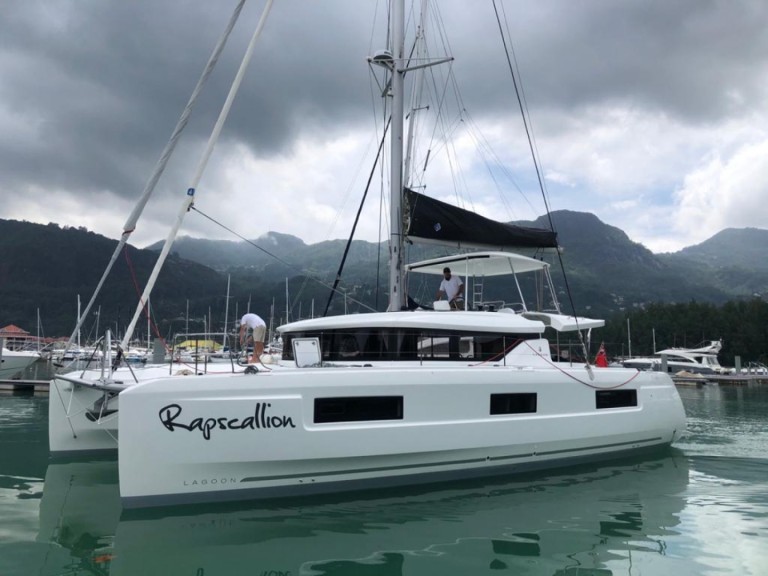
point(653, 115)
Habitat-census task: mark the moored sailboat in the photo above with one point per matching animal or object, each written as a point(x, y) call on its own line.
point(405, 396)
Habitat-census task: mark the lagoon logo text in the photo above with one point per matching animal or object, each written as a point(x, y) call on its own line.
point(170, 416)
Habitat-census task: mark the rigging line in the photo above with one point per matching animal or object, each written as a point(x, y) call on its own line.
point(485, 145)
point(489, 166)
point(190, 195)
point(439, 146)
point(442, 123)
point(374, 99)
point(268, 253)
point(135, 281)
point(130, 224)
point(339, 212)
point(572, 377)
point(522, 91)
point(446, 129)
point(383, 223)
point(382, 215)
point(357, 219)
point(541, 183)
point(522, 111)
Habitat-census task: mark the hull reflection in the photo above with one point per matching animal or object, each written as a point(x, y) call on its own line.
point(590, 520)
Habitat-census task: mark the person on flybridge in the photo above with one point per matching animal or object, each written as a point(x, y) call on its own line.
point(452, 288)
point(253, 327)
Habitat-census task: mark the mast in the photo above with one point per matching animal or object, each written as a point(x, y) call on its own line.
point(149, 323)
point(226, 313)
point(186, 205)
point(130, 223)
point(79, 322)
point(396, 62)
point(396, 296)
point(287, 302)
point(418, 85)
point(272, 320)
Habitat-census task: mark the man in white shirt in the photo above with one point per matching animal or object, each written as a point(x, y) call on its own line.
point(258, 327)
point(452, 288)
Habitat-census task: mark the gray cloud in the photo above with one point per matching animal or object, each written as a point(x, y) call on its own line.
point(91, 89)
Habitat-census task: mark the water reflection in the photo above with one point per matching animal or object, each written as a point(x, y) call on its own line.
point(591, 520)
point(726, 420)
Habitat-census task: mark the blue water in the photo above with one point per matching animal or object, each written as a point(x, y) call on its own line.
point(699, 508)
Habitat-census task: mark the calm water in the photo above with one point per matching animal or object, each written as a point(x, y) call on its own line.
point(701, 508)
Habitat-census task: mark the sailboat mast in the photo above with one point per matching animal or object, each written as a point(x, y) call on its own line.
point(287, 302)
point(79, 318)
point(396, 296)
point(418, 85)
point(149, 188)
point(190, 197)
point(226, 313)
point(149, 323)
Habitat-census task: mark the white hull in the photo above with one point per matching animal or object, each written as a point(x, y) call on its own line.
point(72, 425)
point(11, 363)
point(672, 366)
point(701, 360)
point(79, 419)
point(249, 436)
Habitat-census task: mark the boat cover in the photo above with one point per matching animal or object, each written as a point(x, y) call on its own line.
point(434, 221)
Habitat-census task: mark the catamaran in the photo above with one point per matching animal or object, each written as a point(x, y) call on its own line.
point(411, 395)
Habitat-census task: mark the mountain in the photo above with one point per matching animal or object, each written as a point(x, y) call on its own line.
point(46, 267)
point(225, 254)
point(607, 272)
point(733, 260)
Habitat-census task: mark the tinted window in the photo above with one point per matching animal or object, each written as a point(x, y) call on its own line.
point(513, 403)
point(615, 398)
point(358, 409)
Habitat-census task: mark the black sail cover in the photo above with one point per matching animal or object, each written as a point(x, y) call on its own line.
point(438, 222)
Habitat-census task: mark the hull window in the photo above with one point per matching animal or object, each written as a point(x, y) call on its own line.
point(615, 398)
point(513, 403)
point(358, 409)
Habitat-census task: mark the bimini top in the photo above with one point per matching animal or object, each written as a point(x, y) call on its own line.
point(480, 264)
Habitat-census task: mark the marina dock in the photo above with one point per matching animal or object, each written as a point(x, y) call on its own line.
point(720, 379)
point(34, 386)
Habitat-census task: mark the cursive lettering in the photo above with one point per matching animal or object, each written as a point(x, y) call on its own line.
point(170, 416)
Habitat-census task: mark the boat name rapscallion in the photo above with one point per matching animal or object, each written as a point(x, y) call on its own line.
point(260, 420)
